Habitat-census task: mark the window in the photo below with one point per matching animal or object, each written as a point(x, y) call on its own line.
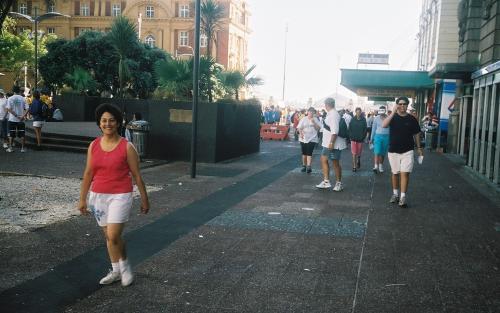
point(51, 7)
point(23, 8)
point(116, 9)
point(203, 40)
point(51, 30)
point(150, 41)
point(183, 39)
point(85, 9)
point(184, 10)
point(84, 29)
point(150, 11)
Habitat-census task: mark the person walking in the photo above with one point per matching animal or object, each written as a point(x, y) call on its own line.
point(37, 110)
point(357, 135)
point(18, 110)
point(404, 132)
point(369, 124)
point(332, 147)
point(4, 115)
point(111, 163)
point(380, 140)
point(308, 136)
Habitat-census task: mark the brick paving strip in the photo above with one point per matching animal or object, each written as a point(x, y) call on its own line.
point(32, 296)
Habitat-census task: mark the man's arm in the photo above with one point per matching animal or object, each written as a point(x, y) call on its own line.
point(388, 119)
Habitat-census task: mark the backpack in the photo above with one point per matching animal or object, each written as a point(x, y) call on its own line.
point(343, 130)
point(44, 111)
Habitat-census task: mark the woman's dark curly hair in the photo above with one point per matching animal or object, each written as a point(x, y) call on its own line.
point(111, 109)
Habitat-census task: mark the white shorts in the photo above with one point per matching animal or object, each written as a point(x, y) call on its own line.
point(38, 124)
point(401, 162)
point(109, 208)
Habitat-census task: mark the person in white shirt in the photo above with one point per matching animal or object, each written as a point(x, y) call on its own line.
point(308, 136)
point(332, 147)
point(18, 109)
point(3, 119)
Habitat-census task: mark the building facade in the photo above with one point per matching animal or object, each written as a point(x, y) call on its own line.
point(166, 24)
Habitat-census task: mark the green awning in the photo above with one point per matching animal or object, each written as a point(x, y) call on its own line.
point(385, 83)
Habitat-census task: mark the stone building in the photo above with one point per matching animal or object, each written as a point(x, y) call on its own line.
point(166, 24)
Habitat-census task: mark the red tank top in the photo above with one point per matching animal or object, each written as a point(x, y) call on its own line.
point(110, 169)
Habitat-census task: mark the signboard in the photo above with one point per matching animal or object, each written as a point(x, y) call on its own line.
point(385, 92)
point(372, 58)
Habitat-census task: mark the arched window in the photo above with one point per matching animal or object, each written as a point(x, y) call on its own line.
point(150, 41)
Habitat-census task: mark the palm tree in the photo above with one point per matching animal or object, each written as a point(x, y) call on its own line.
point(211, 21)
point(81, 81)
point(235, 80)
point(174, 78)
point(123, 36)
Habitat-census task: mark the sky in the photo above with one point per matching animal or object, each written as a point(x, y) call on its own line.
point(323, 36)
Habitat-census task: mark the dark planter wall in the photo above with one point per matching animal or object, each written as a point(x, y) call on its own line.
point(226, 129)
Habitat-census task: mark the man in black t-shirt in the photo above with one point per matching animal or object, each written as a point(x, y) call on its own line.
point(403, 134)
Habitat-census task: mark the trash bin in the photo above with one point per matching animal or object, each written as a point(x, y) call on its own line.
point(140, 131)
point(429, 139)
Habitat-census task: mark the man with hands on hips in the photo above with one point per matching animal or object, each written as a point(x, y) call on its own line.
point(404, 133)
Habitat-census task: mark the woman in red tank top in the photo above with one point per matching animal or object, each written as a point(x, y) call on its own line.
point(111, 163)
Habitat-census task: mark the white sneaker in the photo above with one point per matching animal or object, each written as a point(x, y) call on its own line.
point(10, 150)
point(22, 150)
point(110, 278)
point(324, 185)
point(126, 275)
point(375, 168)
point(338, 186)
point(5, 146)
point(380, 168)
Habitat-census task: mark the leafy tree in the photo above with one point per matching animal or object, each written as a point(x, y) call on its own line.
point(211, 17)
point(234, 81)
point(123, 37)
point(5, 8)
point(81, 81)
point(175, 79)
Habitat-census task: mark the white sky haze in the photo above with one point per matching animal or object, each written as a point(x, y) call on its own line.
point(326, 34)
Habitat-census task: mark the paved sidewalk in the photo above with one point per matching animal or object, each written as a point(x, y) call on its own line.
point(255, 235)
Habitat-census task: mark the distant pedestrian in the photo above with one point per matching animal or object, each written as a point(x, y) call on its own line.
point(357, 135)
point(4, 116)
point(332, 147)
point(380, 140)
point(111, 164)
point(18, 110)
point(369, 124)
point(308, 136)
point(38, 109)
point(403, 134)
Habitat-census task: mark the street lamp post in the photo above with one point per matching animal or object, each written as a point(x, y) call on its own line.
point(196, 84)
point(37, 19)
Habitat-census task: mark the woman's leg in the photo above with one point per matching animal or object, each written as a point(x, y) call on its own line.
point(38, 133)
point(114, 242)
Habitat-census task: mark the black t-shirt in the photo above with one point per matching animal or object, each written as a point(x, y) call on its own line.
point(401, 134)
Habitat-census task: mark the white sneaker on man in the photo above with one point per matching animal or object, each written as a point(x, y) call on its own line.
point(23, 150)
point(5, 145)
point(338, 186)
point(324, 185)
point(110, 278)
point(10, 149)
point(381, 168)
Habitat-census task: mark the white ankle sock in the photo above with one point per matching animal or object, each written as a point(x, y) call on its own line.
point(123, 264)
point(395, 191)
point(116, 267)
point(403, 194)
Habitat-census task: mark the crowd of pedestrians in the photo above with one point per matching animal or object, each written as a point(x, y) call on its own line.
point(16, 108)
point(391, 134)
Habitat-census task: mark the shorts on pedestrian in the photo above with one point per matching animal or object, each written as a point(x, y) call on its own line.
point(110, 208)
point(333, 154)
point(356, 147)
point(3, 129)
point(307, 148)
point(16, 127)
point(381, 144)
point(38, 124)
point(401, 162)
